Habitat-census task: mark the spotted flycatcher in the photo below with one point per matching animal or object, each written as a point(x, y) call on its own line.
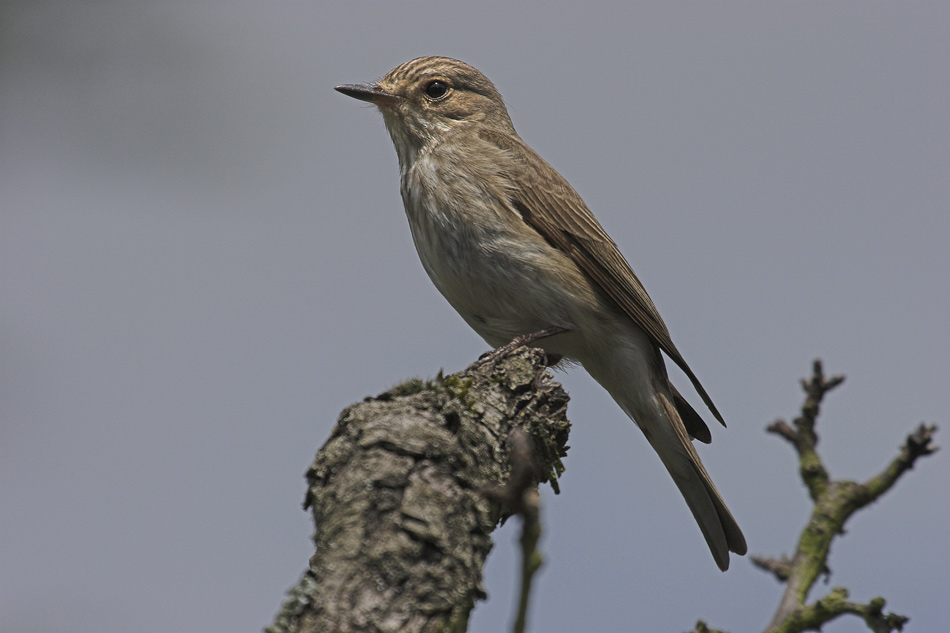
point(514, 249)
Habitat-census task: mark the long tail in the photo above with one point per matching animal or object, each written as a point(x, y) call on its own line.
point(631, 369)
point(670, 440)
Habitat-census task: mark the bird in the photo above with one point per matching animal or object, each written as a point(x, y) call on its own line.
point(517, 253)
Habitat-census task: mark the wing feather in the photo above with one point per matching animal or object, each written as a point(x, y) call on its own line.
point(551, 207)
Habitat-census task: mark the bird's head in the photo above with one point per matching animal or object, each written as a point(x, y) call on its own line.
point(428, 98)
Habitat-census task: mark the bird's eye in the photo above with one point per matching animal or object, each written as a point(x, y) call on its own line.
point(436, 89)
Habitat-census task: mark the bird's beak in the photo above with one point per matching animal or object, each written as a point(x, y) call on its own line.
point(368, 92)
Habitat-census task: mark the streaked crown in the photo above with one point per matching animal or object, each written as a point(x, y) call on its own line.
point(432, 96)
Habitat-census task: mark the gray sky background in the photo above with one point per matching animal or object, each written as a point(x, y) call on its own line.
point(204, 258)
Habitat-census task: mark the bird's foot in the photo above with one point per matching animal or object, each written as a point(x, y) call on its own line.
point(517, 343)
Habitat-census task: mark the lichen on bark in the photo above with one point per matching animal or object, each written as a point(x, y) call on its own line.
point(397, 495)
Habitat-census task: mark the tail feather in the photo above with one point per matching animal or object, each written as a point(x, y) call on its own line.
point(631, 369)
point(671, 442)
point(695, 425)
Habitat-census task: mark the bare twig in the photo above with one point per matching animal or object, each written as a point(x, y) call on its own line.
point(803, 436)
point(780, 568)
point(835, 502)
point(702, 627)
point(835, 603)
point(918, 444)
point(520, 495)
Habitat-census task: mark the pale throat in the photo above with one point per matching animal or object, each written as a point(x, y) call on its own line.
point(413, 137)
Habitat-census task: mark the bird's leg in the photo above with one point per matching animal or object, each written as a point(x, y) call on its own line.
point(517, 343)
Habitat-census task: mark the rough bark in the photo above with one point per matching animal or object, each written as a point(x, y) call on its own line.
point(398, 497)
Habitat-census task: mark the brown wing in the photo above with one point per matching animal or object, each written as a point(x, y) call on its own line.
point(551, 207)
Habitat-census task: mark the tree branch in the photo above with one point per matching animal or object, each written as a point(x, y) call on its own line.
point(835, 502)
point(803, 436)
point(780, 567)
point(520, 495)
point(918, 444)
point(397, 495)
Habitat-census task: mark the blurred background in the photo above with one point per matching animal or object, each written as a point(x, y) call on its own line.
point(204, 258)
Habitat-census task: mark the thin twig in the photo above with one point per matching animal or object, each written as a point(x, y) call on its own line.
point(520, 495)
point(778, 567)
point(835, 502)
